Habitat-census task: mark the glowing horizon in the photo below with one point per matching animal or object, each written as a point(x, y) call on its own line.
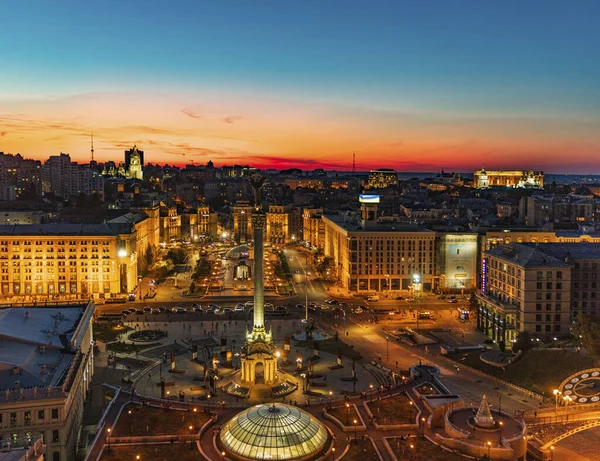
point(279, 86)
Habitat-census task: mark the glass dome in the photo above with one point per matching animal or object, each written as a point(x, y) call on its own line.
point(274, 431)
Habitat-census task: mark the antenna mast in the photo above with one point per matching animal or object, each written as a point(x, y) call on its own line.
point(92, 147)
point(353, 162)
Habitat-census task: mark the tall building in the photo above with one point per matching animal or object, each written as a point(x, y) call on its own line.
point(374, 256)
point(19, 176)
point(47, 366)
point(524, 289)
point(68, 179)
point(382, 178)
point(483, 179)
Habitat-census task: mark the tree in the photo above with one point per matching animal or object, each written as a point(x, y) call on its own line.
point(588, 328)
point(176, 255)
point(192, 287)
point(149, 256)
point(523, 342)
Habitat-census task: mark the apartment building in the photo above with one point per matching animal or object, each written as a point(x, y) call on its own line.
point(47, 365)
point(524, 289)
point(313, 227)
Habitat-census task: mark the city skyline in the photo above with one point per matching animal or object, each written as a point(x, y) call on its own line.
point(414, 87)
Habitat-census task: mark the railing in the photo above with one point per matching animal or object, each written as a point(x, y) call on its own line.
point(496, 302)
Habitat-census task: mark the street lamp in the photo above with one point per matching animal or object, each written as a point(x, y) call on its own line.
point(489, 444)
point(412, 452)
point(195, 418)
point(330, 394)
point(387, 350)
point(551, 452)
point(140, 278)
point(347, 412)
point(423, 428)
point(108, 431)
point(556, 394)
point(332, 453)
point(191, 438)
point(501, 424)
point(137, 456)
point(371, 386)
point(355, 427)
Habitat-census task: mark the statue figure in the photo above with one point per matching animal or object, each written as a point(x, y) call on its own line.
point(256, 181)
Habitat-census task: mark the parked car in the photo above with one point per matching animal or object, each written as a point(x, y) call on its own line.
point(197, 308)
point(139, 311)
point(357, 310)
point(249, 303)
point(268, 306)
point(162, 309)
point(147, 310)
point(453, 301)
point(239, 308)
point(300, 306)
point(228, 310)
point(325, 307)
point(126, 312)
point(181, 310)
point(373, 298)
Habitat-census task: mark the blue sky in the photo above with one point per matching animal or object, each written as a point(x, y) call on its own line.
point(444, 59)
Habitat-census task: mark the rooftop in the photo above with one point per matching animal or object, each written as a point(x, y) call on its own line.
point(526, 255)
point(37, 344)
point(353, 226)
point(577, 250)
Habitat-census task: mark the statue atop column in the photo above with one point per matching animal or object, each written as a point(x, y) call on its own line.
point(257, 180)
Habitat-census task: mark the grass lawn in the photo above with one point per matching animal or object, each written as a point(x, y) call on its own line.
point(107, 333)
point(162, 452)
point(127, 348)
point(423, 450)
point(394, 410)
point(361, 451)
point(345, 415)
point(540, 371)
point(159, 421)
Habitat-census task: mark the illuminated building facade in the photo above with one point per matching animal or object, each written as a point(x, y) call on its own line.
point(71, 261)
point(242, 221)
point(382, 178)
point(313, 229)
point(374, 256)
point(457, 267)
point(483, 179)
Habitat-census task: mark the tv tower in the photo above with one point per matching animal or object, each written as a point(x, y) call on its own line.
point(92, 147)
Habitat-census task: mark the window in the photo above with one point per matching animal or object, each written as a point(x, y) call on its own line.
point(557, 317)
point(538, 317)
point(56, 456)
point(557, 328)
point(13, 417)
point(538, 307)
point(41, 414)
point(55, 413)
point(539, 285)
point(27, 417)
point(559, 274)
point(559, 285)
point(538, 328)
point(55, 435)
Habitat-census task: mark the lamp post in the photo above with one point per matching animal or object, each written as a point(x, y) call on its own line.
point(355, 427)
point(140, 278)
point(195, 418)
point(489, 444)
point(552, 453)
point(371, 387)
point(330, 394)
point(303, 376)
point(412, 452)
point(137, 457)
point(347, 412)
point(332, 453)
point(108, 431)
point(501, 424)
point(191, 438)
point(422, 428)
point(387, 349)
point(556, 393)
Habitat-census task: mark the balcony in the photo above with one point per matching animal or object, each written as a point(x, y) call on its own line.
point(498, 304)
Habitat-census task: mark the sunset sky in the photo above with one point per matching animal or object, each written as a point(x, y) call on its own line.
point(414, 85)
